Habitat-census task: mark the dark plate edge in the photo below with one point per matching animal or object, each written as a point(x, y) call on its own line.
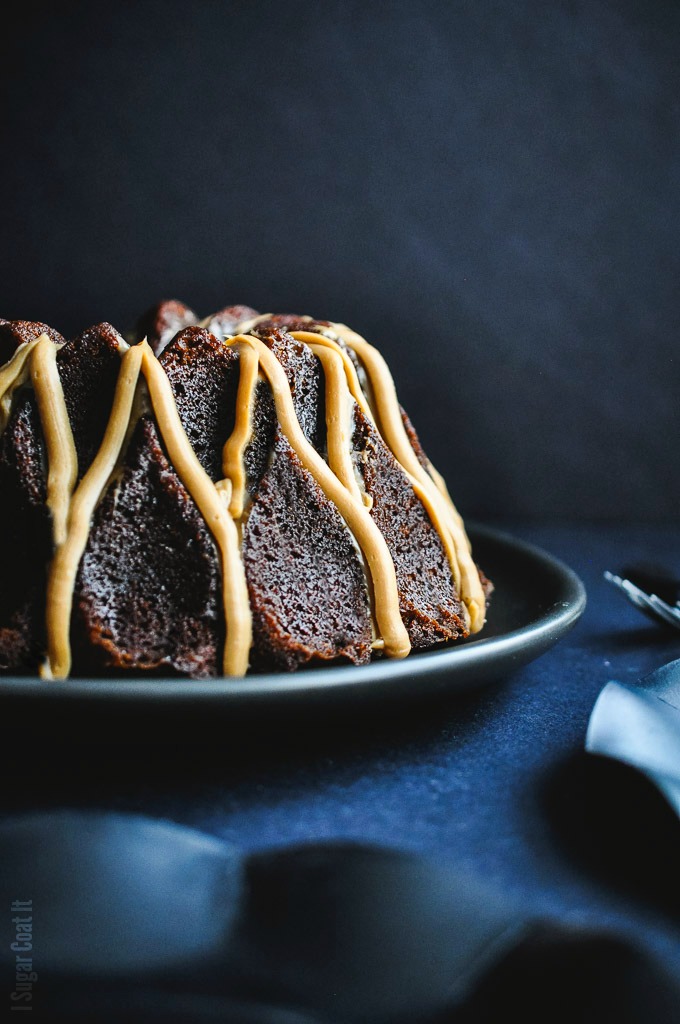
point(508, 651)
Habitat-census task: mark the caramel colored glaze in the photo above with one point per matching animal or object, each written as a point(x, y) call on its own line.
point(305, 575)
point(430, 469)
point(88, 366)
point(317, 341)
point(14, 375)
point(203, 374)
point(305, 382)
point(67, 557)
point(445, 516)
point(414, 441)
point(210, 504)
point(370, 445)
point(14, 333)
point(430, 607)
point(368, 537)
point(427, 483)
point(309, 588)
point(338, 410)
point(148, 592)
point(233, 465)
point(62, 459)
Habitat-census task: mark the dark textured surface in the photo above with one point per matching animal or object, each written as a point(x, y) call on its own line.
point(224, 321)
point(16, 332)
point(28, 538)
point(88, 369)
point(305, 577)
point(178, 926)
point(495, 781)
point(305, 573)
point(428, 602)
point(488, 191)
point(257, 451)
point(306, 384)
point(537, 600)
point(204, 377)
point(160, 324)
point(148, 591)
point(305, 379)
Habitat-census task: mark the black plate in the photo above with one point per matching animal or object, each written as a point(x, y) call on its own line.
point(536, 600)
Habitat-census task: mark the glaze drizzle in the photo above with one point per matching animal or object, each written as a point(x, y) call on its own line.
point(64, 568)
point(444, 515)
point(352, 510)
point(210, 505)
point(223, 504)
point(62, 460)
point(233, 465)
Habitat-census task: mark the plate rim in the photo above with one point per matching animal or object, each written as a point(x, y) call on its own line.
point(537, 635)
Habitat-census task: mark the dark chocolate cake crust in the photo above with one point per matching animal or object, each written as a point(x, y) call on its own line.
point(257, 500)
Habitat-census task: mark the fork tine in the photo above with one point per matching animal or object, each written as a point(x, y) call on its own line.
point(639, 598)
point(626, 587)
point(649, 604)
point(667, 613)
point(636, 595)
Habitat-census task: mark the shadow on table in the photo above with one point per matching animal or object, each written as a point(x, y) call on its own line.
point(615, 824)
point(660, 639)
point(118, 768)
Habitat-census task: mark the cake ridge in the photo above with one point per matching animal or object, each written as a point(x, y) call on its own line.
point(369, 538)
point(66, 559)
point(224, 503)
point(428, 485)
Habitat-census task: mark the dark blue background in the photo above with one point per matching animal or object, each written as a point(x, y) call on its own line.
point(488, 191)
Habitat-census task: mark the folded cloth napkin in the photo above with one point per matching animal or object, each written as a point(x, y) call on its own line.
point(120, 917)
point(641, 727)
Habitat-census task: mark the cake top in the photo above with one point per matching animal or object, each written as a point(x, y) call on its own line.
point(151, 368)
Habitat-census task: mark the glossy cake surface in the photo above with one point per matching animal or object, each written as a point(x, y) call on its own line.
point(210, 498)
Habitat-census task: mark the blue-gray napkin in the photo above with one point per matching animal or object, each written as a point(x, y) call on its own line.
point(119, 917)
point(641, 727)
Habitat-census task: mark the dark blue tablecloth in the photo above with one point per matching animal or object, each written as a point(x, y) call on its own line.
point(495, 781)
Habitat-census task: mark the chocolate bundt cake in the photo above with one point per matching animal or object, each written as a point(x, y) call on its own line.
point(209, 498)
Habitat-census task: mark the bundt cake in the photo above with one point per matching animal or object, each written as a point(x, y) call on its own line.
point(209, 498)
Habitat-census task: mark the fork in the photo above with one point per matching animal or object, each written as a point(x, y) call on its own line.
point(649, 603)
